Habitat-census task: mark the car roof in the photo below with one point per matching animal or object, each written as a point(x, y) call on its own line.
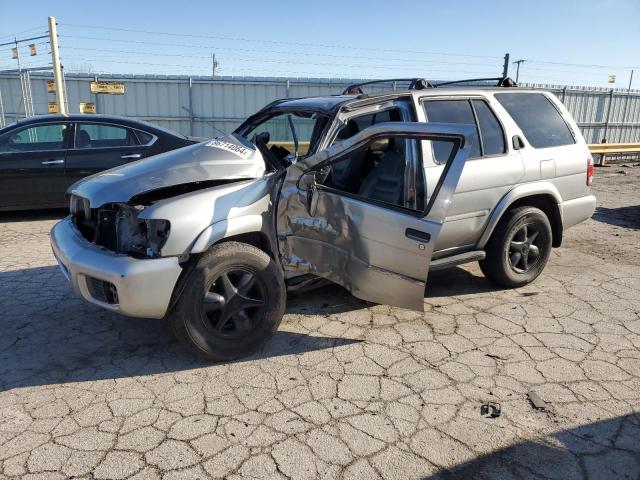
point(91, 117)
point(325, 104)
point(331, 103)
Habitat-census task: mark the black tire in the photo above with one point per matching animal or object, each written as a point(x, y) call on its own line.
point(203, 318)
point(509, 262)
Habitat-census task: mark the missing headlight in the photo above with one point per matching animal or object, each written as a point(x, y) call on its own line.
point(139, 238)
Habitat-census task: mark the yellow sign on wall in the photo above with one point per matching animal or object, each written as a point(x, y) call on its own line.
point(87, 108)
point(51, 87)
point(112, 88)
point(53, 107)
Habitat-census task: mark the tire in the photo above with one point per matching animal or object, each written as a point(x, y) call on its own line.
point(507, 246)
point(203, 317)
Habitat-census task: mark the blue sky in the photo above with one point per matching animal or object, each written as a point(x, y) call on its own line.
point(375, 39)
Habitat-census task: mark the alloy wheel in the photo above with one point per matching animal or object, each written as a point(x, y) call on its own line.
point(234, 303)
point(524, 250)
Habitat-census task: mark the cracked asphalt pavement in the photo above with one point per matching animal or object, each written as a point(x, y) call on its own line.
point(345, 389)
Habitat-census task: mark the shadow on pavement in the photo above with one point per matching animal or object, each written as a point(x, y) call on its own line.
point(605, 450)
point(627, 217)
point(49, 335)
point(457, 281)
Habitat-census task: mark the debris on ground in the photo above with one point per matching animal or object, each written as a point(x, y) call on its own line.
point(537, 402)
point(490, 410)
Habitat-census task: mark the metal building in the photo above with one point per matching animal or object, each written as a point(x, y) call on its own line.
point(208, 106)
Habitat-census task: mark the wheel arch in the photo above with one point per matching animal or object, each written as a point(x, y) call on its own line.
point(544, 196)
point(206, 240)
point(246, 229)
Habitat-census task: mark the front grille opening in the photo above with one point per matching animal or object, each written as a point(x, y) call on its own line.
point(102, 291)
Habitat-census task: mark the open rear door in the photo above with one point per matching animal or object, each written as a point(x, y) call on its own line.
point(376, 236)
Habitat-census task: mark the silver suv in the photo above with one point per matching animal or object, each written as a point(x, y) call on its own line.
point(366, 191)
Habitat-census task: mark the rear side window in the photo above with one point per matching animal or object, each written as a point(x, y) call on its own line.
point(144, 137)
point(96, 135)
point(538, 119)
point(490, 129)
point(451, 111)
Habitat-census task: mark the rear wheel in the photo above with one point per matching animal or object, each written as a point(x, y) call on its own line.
point(519, 248)
point(233, 300)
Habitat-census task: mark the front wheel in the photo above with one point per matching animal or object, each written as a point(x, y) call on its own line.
point(232, 302)
point(519, 248)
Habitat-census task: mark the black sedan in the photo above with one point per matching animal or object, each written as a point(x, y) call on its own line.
point(40, 157)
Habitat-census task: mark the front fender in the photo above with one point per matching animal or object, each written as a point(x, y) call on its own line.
point(204, 215)
point(513, 195)
point(227, 228)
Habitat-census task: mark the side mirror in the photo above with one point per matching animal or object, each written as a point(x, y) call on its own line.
point(517, 142)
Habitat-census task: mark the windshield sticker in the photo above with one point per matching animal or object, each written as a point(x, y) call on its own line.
point(239, 150)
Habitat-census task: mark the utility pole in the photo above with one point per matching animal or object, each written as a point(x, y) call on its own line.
point(57, 71)
point(628, 99)
point(518, 62)
point(214, 64)
point(505, 66)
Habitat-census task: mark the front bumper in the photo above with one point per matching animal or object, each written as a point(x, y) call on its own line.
point(144, 286)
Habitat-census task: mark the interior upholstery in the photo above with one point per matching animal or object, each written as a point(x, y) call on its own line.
point(83, 140)
point(385, 181)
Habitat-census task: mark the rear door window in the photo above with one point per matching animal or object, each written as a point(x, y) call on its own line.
point(97, 135)
point(490, 129)
point(451, 111)
point(540, 121)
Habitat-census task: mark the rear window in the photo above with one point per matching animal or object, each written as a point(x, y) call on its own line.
point(538, 119)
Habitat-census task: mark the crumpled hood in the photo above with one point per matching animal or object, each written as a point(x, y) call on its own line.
point(225, 158)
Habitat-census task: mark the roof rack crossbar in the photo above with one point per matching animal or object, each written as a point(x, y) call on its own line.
point(415, 84)
point(501, 81)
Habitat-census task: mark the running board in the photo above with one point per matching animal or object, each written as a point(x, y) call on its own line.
point(454, 260)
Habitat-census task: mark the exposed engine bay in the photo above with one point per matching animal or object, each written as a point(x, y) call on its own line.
point(116, 227)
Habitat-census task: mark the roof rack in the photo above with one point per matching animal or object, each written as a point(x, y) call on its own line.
point(415, 84)
point(502, 81)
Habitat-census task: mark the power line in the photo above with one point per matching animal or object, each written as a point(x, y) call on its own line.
point(581, 64)
point(266, 60)
point(251, 60)
point(270, 52)
point(13, 35)
point(11, 48)
point(280, 42)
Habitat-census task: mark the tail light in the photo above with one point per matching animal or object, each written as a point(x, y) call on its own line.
point(590, 171)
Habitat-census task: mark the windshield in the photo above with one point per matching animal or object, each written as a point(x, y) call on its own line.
point(288, 134)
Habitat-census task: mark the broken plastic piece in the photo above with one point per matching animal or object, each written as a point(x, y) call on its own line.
point(490, 410)
point(536, 401)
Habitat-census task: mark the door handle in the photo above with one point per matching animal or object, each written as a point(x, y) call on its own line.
point(131, 156)
point(52, 162)
point(417, 235)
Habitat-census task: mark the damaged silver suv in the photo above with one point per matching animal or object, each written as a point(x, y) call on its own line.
point(367, 191)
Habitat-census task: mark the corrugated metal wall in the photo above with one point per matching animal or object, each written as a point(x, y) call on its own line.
point(205, 106)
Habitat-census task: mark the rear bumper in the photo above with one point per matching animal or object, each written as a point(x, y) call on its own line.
point(144, 286)
point(577, 210)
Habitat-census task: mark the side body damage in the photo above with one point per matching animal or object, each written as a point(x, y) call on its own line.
point(379, 254)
